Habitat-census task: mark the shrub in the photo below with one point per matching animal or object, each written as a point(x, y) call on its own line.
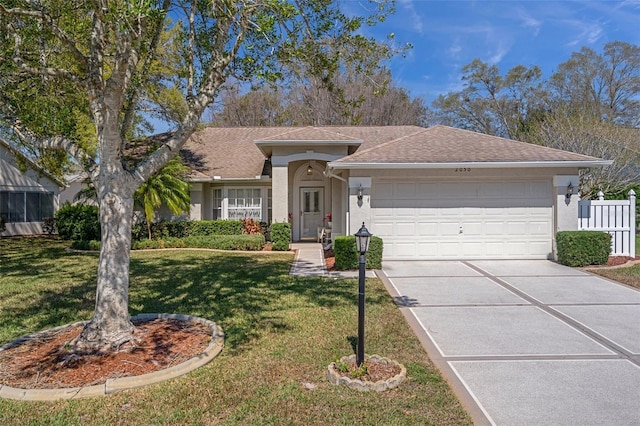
point(181, 229)
point(2, 222)
point(49, 225)
point(78, 222)
point(280, 236)
point(220, 242)
point(344, 248)
point(581, 248)
point(215, 227)
point(251, 227)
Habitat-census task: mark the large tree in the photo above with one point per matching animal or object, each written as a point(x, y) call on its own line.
point(492, 103)
point(349, 99)
point(115, 61)
point(606, 85)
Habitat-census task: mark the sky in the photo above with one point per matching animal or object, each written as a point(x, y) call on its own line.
point(448, 34)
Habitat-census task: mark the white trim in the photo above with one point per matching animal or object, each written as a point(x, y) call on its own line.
point(283, 160)
point(474, 164)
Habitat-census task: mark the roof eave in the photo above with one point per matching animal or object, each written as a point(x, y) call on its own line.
point(474, 164)
point(266, 146)
point(222, 180)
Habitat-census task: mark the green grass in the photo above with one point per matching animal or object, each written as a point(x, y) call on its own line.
point(627, 275)
point(281, 332)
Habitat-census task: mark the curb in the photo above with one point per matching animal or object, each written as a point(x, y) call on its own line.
point(123, 383)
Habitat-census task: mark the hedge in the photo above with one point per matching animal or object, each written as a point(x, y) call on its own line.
point(280, 236)
point(344, 249)
point(581, 248)
point(181, 229)
point(2, 222)
point(220, 242)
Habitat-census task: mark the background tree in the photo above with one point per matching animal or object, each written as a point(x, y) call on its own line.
point(605, 86)
point(105, 60)
point(581, 133)
point(491, 103)
point(591, 105)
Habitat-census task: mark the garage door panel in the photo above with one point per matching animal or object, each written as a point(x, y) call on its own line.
point(473, 228)
point(384, 191)
point(538, 228)
point(427, 228)
point(472, 249)
point(493, 228)
point(405, 248)
point(449, 228)
point(405, 229)
point(517, 228)
point(427, 249)
point(405, 190)
point(497, 219)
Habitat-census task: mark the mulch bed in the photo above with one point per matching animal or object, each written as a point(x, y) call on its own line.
point(44, 362)
point(329, 259)
point(620, 260)
point(376, 371)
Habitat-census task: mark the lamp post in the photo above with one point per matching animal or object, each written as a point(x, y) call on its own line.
point(362, 245)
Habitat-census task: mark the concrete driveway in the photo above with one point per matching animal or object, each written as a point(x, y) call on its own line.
point(526, 342)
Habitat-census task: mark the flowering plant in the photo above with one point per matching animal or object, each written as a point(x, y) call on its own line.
point(327, 218)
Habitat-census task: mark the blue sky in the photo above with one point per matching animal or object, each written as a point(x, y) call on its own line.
point(448, 34)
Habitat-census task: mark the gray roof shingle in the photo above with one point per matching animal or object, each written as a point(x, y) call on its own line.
point(232, 153)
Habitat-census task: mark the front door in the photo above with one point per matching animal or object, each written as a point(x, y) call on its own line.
point(312, 209)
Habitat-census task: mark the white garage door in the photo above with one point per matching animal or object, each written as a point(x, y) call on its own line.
point(470, 220)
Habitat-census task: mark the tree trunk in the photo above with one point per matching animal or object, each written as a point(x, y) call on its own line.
point(111, 325)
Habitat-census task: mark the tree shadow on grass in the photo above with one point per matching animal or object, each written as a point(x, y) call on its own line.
point(247, 294)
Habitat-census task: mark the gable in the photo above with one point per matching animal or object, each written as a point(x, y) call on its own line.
point(14, 179)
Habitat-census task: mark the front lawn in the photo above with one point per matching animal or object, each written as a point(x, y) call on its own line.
point(281, 333)
point(627, 275)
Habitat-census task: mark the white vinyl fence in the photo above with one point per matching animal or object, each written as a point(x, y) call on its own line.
point(617, 217)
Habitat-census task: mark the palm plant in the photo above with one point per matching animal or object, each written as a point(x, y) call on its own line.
point(165, 187)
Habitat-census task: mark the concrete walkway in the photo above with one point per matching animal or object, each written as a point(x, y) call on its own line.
point(309, 262)
point(526, 342)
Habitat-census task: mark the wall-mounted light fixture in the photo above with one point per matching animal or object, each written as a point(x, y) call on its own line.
point(309, 169)
point(360, 192)
point(569, 191)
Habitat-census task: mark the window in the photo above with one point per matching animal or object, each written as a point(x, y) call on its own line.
point(25, 206)
point(217, 203)
point(244, 203)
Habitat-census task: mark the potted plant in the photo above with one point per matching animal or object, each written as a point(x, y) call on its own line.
point(327, 220)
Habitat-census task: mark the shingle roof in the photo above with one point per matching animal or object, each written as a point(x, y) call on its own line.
point(442, 144)
point(232, 153)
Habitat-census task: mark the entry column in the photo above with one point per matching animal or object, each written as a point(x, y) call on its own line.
point(280, 191)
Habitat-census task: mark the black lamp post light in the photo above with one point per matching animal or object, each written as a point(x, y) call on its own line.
point(338, 371)
point(363, 237)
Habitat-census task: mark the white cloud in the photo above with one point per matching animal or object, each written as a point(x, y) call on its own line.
point(417, 24)
point(454, 49)
point(499, 53)
point(630, 3)
point(588, 32)
point(528, 21)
